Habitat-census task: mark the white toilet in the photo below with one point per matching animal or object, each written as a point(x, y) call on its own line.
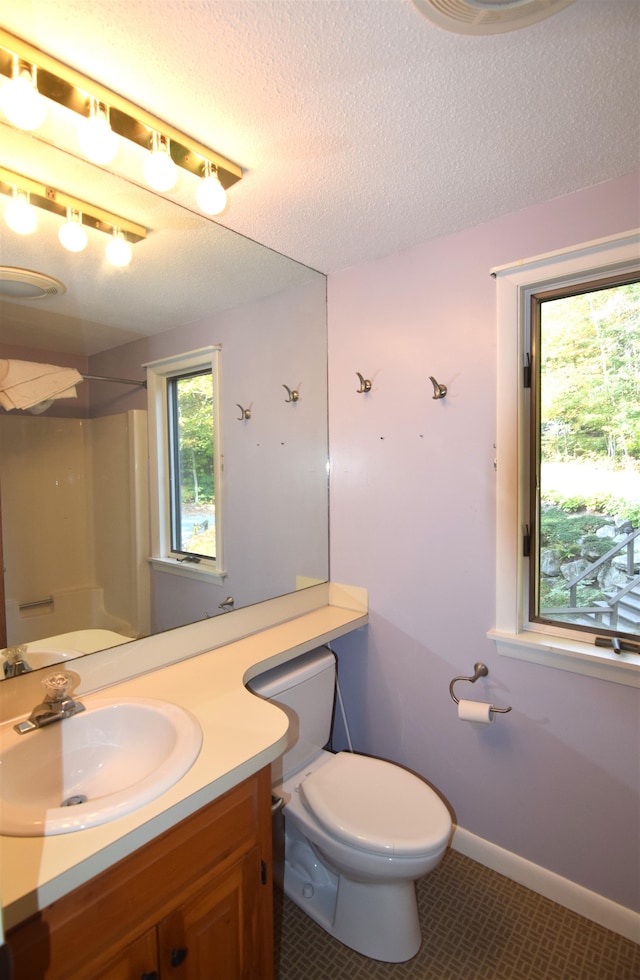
point(358, 831)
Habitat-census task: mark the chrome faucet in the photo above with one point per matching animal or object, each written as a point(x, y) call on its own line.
point(56, 705)
point(14, 661)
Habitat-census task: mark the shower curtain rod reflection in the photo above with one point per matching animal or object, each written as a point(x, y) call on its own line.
point(119, 381)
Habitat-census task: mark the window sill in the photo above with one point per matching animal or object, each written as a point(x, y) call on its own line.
point(568, 654)
point(202, 572)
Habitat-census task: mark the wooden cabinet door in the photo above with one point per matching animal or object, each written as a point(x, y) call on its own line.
point(202, 880)
point(216, 933)
point(139, 961)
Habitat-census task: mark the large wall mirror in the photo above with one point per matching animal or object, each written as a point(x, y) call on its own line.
point(73, 477)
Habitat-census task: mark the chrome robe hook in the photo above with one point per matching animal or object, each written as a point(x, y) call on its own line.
point(365, 384)
point(439, 391)
point(245, 413)
point(293, 395)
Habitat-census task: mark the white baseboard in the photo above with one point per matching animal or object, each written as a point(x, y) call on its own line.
point(592, 906)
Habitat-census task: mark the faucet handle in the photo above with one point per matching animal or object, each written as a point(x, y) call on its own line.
point(57, 685)
point(15, 654)
point(56, 705)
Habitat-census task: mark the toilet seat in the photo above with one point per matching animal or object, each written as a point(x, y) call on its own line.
point(376, 806)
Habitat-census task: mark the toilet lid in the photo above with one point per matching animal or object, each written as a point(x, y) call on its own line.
point(376, 806)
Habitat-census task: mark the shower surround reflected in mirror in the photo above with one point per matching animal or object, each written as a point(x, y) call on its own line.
point(191, 283)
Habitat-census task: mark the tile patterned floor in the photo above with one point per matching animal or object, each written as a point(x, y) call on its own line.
point(477, 925)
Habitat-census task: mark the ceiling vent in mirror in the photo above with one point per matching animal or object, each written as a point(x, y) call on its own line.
point(487, 16)
point(26, 284)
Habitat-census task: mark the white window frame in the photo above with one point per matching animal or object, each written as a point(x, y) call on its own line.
point(514, 635)
point(158, 374)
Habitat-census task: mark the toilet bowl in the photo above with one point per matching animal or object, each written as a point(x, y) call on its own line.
point(356, 831)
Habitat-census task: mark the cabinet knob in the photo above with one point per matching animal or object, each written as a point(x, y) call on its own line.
point(178, 956)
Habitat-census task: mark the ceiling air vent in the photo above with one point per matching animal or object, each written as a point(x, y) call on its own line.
point(487, 16)
point(26, 284)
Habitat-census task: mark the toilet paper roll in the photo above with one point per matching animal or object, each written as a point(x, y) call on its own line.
point(476, 711)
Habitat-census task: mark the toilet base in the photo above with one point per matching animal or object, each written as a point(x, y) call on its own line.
point(379, 920)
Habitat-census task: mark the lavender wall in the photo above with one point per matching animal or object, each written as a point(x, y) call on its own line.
point(412, 519)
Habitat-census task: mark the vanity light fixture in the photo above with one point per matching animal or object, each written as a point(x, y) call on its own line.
point(159, 169)
point(108, 118)
point(19, 213)
point(97, 140)
point(27, 195)
point(211, 195)
point(118, 250)
point(20, 100)
point(72, 235)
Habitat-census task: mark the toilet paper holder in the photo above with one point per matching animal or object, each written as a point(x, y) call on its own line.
point(479, 670)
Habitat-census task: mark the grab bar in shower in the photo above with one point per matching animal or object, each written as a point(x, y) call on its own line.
point(38, 602)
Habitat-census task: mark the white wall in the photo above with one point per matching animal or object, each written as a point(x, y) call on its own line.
point(68, 512)
point(413, 520)
point(274, 485)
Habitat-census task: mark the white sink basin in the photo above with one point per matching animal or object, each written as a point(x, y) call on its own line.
point(49, 656)
point(115, 756)
point(42, 656)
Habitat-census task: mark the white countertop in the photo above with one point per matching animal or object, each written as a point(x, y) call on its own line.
point(241, 735)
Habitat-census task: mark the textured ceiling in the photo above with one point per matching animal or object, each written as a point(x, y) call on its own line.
point(362, 127)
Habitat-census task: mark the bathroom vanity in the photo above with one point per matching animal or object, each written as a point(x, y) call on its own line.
point(194, 902)
point(183, 882)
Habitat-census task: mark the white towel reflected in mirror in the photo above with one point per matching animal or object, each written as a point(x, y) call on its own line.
point(34, 386)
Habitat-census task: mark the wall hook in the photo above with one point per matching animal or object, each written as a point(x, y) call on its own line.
point(228, 604)
point(365, 384)
point(245, 413)
point(293, 395)
point(439, 391)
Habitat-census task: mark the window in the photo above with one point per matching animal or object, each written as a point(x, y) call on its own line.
point(191, 475)
point(584, 447)
point(568, 459)
point(185, 463)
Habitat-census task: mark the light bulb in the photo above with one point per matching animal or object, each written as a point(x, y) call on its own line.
point(160, 171)
point(97, 140)
point(118, 250)
point(211, 195)
point(72, 234)
point(19, 214)
point(21, 102)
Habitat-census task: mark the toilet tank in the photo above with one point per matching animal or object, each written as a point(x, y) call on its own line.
point(304, 688)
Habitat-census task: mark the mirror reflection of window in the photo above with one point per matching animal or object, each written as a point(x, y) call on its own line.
point(186, 471)
point(190, 402)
